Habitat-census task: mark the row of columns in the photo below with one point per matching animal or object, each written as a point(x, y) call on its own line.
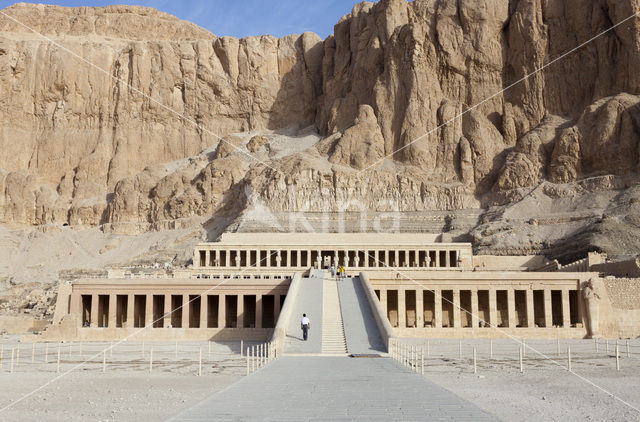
point(493, 308)
point(186, 305)
point(391, 258)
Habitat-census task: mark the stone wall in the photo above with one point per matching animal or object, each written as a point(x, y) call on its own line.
point(624, 293)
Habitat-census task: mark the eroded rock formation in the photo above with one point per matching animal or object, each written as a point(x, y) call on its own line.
point(401, 109)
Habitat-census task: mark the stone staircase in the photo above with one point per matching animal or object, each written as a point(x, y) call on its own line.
point(333, 339)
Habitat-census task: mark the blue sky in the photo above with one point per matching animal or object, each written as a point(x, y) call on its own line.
point(241, 18)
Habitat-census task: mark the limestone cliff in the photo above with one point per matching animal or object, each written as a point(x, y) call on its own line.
point(173, 122)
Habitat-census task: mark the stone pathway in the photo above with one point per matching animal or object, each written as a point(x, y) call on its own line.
point(314, 388)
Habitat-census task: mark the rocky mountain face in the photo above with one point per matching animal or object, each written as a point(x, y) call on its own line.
point(130, 119)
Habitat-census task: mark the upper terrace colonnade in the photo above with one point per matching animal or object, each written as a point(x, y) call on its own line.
point(305, 250)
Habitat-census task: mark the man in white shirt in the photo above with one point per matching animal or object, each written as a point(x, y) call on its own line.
point(305, 325)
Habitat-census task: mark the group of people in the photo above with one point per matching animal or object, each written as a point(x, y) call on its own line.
point(338, 272)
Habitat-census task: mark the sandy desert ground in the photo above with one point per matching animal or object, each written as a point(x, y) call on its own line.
point(545, 390)
point(125, 391)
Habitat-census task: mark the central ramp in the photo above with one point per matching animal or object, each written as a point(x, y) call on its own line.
point(308, 301)
point(294, 388)
point(361, 330)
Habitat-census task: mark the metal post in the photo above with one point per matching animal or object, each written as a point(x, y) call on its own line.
point(628, 354)
point(569, 358)
point(247, 363)
point(617, 358)
point(596, 341)
point(607, 341)
point(422, 361)
point(520, 359)
point(558, 347)
point(18, 355)
point(428, 348)
point(241, 347)
point(475, 369)
point(253, 358)
point(12, 353)
point(150, 359)
point(524, 347)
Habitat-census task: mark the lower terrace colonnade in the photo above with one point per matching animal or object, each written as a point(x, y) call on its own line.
point(168, 303)
point(484, 302)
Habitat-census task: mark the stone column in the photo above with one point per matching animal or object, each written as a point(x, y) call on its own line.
point(111, 315)
point(402, 308)
point(531, 321)
point(437, 258)
point(548, 317)
point(237, 263)
point(566, 313)
point(493, 308)
point(217, 259)
point(420, 308)
point(309, 263)
point(75, 306)
point(456, 309)
point(222, 311)
point(276, 307)
point(185, 310)
point(196, 258)
point(386, 257)
point(204, 311)
point(437, 308)
point(383, 301)
point(240, 312)
point(446, 259)
point(94, 311)
point(167, 310)
point(227, 259)
point(130, 313)
point(511, 307)
point(258, 311)
point(475, 320)
point(148, 312)
point(288, 254)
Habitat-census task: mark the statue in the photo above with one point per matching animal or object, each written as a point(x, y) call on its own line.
point(591, 295)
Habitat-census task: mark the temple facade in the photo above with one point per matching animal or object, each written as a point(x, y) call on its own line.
point(237, 286)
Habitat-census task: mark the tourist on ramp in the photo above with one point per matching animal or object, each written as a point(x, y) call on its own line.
point(305, 325)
